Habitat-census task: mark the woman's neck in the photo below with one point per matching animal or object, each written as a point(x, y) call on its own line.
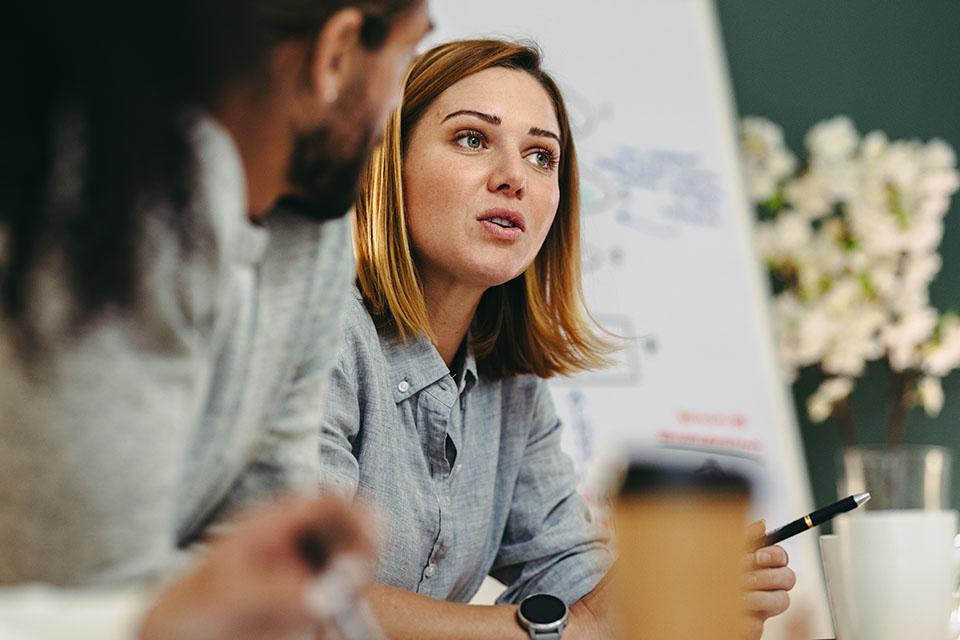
point(450, 310)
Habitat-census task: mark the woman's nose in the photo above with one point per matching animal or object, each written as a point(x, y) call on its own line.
point(508, 176)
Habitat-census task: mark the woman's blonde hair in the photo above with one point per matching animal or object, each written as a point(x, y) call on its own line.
point(536, 323)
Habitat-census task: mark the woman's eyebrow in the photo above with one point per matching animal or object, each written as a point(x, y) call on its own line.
point(536, 131)
point(486, 117)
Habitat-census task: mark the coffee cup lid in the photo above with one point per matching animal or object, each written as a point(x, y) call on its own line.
point(645, 476)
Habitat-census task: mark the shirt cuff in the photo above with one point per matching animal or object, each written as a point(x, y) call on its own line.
point(570, 579)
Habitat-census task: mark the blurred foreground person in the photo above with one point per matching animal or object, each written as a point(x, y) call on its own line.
point(164, 335)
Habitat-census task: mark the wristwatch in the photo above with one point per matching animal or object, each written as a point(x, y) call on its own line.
point(543, 616)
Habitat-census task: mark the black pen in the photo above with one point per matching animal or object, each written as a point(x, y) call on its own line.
point(811, 520)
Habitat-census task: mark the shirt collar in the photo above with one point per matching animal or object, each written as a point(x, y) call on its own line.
point(416, 364)
point(413, 365)
point(469, 378)
point(222, 188)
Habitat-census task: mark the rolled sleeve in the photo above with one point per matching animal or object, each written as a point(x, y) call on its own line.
point(286, 460)
point(549, 544)
point(339, 428)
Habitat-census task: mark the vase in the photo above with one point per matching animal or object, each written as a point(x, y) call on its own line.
point(897, 477)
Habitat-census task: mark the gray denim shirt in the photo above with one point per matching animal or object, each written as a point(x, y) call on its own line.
point(469, 474)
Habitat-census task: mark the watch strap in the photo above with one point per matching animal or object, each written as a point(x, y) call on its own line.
point(545, 635)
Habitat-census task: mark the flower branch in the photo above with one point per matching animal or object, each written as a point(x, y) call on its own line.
point(851, 240)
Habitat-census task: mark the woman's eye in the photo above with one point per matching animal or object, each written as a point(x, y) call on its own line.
point(470, 141)
point(541, 158)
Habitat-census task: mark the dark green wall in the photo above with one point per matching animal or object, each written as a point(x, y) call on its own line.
point(890, 65)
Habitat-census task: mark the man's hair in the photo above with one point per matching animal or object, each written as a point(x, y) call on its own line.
point(98, 102)
point(536, 323)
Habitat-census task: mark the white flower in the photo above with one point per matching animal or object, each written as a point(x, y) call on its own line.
point(827, 249)
point(848, 357)
point(844, 294)
point(855, 246)
point(766, 238)
point(919, 270)
point(793, 232)
point(833, 139)
point(905, 301)
point(820, 404)
point(811, 278)
point(903, 337)
point(882, 276)
point(937, 154)
point(842, 178)
point(818, 409)
point(810, 195)
point(931, 205)
point(766, 159)
point(874, 146)
point(874, 229)
point(784, 238)
point(923, 236)
point(836, 388)
point(930, 395)
point(855, 340)
point(939, 184)
point(910, 290)
point(941, 179)
point(944, 356)
point(902, 164)
point(803, 331)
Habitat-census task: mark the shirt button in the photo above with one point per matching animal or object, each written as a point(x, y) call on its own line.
point(430, 570)
point(403, 386)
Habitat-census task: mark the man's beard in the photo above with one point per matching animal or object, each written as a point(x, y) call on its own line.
point(325, 183)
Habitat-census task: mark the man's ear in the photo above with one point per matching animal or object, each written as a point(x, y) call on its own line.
point(335, 54)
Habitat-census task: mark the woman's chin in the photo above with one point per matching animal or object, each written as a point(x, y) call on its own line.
point(504, 278)
point(476, 269)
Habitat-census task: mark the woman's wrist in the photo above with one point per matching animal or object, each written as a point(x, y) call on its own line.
point(582, 623)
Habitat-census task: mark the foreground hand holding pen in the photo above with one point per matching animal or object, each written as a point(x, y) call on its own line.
point(260, 580)
point(334, 597)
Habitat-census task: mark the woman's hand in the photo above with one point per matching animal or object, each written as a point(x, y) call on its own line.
point(251, 582)
point(592, 618)
point(766, 583)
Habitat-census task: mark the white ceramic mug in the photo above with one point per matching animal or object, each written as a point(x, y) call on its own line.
point(892, 575)
point(836, 592)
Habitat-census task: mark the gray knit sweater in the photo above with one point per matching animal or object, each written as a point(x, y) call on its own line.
point(154, 422)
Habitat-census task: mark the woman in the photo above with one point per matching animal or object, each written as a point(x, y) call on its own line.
point(467, 238)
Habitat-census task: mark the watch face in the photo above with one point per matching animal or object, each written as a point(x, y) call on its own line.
point(543, 609)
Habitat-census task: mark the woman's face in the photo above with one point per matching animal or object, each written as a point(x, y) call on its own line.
point(480, 179)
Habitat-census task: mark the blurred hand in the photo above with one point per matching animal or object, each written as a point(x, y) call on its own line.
point(251, 582)
point(766, 583)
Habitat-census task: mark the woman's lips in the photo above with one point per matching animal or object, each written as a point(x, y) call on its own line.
point(504, 218)
point(499, 232)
